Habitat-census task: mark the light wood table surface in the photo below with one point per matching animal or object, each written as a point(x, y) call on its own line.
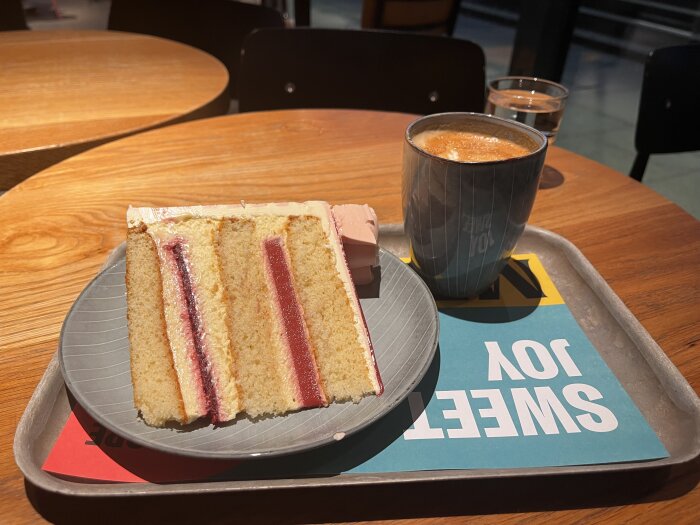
point(57, 228)
point(62, 92)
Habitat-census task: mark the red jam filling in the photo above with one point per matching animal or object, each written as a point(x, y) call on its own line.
point(194, 320)
point(293, 323)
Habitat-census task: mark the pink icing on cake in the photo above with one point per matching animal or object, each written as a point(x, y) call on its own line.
point(359, 231)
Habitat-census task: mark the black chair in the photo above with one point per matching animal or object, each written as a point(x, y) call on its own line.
point(669, 108)
point(422, 16)
point(392, 71)
point(215, 26)
point(12, 15)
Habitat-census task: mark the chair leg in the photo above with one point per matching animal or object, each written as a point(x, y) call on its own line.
point(640, 164)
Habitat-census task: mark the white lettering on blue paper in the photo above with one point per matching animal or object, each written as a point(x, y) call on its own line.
point(573, 394)
point(462, 412)
point(544, 411)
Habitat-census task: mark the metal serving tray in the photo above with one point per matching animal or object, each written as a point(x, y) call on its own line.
point(663, 396)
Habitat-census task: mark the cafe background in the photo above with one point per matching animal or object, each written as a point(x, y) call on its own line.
point(603, 69)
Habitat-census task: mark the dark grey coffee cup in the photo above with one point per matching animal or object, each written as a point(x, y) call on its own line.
point(463, 219)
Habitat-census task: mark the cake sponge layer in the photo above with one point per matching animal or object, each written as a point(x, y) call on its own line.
point(336, 332)
point(263, 367)
point(197, 316)
point(156, 387)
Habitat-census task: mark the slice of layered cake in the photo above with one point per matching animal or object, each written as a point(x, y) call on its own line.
point(246, 308)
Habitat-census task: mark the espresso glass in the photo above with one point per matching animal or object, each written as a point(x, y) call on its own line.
point(463, 219)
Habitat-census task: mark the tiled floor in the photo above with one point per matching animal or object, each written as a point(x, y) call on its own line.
point(600, 116)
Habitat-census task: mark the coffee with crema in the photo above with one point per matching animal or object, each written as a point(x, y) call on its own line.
point(469, 183)
point(475, 142)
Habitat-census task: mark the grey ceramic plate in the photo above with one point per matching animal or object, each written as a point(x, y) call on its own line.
point(94, 358)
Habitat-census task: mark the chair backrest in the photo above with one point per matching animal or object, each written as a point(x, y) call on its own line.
point(12, 15)
point(215, 26)
point(329, 68)
point(669, 108)
point(424, 16)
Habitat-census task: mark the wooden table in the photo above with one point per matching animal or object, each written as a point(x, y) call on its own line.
point(57, 228)
point(62, 92)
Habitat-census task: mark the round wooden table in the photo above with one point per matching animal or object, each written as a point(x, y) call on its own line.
point(57, 228)
point(62, 92)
